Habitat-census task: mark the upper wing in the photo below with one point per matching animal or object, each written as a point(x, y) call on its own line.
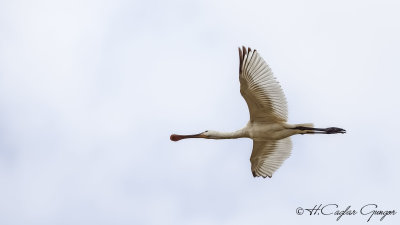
point(268, 156)
point(260, 89)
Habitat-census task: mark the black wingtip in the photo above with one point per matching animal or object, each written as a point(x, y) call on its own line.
point(243, 51)
point(255, 175)
point(246, 51)
point(240, 59)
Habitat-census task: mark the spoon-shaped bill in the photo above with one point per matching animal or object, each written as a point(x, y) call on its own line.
point(177, 137)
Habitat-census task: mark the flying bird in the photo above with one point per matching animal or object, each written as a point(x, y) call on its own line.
point(268, 109)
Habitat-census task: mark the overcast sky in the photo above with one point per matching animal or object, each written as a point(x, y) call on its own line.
point(91, 90)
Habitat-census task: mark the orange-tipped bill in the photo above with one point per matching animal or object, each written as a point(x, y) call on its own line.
point(177, 137)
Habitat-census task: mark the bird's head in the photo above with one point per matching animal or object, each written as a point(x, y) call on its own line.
point(205, 134)
point(210, 134)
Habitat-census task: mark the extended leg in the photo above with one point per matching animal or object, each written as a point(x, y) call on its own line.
point(329, 130)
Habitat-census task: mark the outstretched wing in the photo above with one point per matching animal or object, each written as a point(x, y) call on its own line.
point(268, 156)
point(260, 89)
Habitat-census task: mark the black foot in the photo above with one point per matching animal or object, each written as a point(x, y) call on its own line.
point(335, 130)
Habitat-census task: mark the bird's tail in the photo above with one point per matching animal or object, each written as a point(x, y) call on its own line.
point(308, 125)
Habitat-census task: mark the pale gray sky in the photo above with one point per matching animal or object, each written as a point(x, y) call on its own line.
point(91, 90)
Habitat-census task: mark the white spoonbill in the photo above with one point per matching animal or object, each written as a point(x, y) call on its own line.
point(268, 125)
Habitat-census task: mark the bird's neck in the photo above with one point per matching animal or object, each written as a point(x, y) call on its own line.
point(228, 135)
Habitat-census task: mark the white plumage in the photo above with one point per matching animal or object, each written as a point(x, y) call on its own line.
point(268, 116)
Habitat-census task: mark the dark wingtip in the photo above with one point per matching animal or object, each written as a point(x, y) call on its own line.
point(243, 51)
point(240, 59)
point(255, 175)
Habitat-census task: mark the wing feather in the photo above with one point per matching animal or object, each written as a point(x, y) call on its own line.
point(258, 86)
point(268, 156)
